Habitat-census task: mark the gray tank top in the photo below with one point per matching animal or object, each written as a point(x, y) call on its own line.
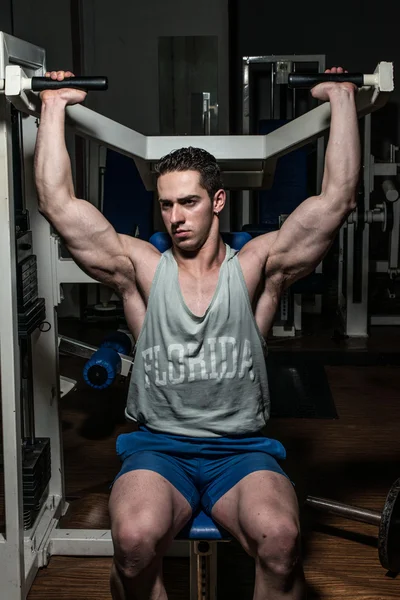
point(199, 376)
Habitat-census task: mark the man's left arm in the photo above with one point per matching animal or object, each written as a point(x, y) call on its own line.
point(307, 234)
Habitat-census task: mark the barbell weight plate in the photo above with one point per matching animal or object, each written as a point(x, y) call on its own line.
point(389, 531)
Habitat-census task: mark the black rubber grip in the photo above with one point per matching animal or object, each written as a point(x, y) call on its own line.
point(309, 80)
point(96, 84)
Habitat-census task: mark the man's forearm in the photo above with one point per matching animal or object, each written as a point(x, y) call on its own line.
point(53, 173)
point(342, 160)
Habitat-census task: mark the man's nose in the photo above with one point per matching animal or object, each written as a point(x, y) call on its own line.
point(177, 214)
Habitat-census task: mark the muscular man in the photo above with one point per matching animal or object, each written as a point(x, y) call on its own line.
point(199, 314)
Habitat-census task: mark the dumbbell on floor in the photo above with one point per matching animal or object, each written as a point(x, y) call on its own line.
point(388, 522)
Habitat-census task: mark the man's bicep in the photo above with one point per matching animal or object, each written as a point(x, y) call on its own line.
point(305, 238)
point(259, 247)
point(92, 241)
point(81, 225)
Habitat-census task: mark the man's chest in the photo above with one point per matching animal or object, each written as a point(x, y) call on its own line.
point(198, 292)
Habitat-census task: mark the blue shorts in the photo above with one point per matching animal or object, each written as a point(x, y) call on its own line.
point(202, 469)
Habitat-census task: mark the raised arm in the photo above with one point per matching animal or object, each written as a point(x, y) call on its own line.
point(307, 234)
point(92, 241)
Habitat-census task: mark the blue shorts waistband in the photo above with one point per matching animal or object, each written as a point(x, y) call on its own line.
point(191, 447)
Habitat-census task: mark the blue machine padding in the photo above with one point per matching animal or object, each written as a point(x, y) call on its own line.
point(161, 241)
point(107, 359)
point(202, 527)
point(126, 204)
point(235, 239)
point(118, 341)
point(290, 186)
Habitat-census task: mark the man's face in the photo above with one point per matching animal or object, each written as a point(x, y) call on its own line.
point(186, 208)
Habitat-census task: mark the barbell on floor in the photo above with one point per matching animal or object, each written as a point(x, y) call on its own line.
point(388, 522)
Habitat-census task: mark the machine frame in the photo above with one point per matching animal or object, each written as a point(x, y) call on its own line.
point(280, 66)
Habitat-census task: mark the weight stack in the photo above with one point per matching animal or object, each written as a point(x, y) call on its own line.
point(36, 473)
point(31, 308)
point(29, 320)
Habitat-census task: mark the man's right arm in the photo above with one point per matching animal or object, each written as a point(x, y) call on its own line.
point(94, 244)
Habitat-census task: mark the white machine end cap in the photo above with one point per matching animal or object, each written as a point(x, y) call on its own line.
point(386, 76)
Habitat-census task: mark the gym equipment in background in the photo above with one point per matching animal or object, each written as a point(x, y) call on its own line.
point(388, 522)
point(105, 364)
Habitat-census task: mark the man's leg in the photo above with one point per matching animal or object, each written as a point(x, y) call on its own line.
point(146, 512)
point(261, 512)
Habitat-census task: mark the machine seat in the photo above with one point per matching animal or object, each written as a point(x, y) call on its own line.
point(202, 527)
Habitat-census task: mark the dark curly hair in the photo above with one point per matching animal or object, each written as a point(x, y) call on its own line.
point(193, 159)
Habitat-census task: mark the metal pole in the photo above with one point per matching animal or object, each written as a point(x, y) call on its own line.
point(272, 108)
point(344, 510)
point(12, 568)
point(27, 402)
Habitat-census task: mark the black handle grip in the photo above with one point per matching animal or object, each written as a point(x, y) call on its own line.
point(309, 80)
point(96, 84)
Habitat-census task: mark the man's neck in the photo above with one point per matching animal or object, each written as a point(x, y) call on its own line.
point(209, 257)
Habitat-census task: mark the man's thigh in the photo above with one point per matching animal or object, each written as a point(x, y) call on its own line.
point(260, 503)
point(153, 487)
point(224, 474)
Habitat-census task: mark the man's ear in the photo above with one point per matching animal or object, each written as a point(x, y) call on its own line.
point(219, 201)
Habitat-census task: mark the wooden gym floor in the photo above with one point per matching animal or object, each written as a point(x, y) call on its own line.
point(353, 459)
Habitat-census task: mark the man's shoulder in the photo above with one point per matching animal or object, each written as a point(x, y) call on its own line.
point(137, 249)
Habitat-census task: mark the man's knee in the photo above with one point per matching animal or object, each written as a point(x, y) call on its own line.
point(138, 543)
point(278, 546)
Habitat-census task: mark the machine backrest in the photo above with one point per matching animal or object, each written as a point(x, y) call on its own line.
point(235, 239)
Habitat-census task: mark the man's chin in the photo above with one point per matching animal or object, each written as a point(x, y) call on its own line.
point(187, 244)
